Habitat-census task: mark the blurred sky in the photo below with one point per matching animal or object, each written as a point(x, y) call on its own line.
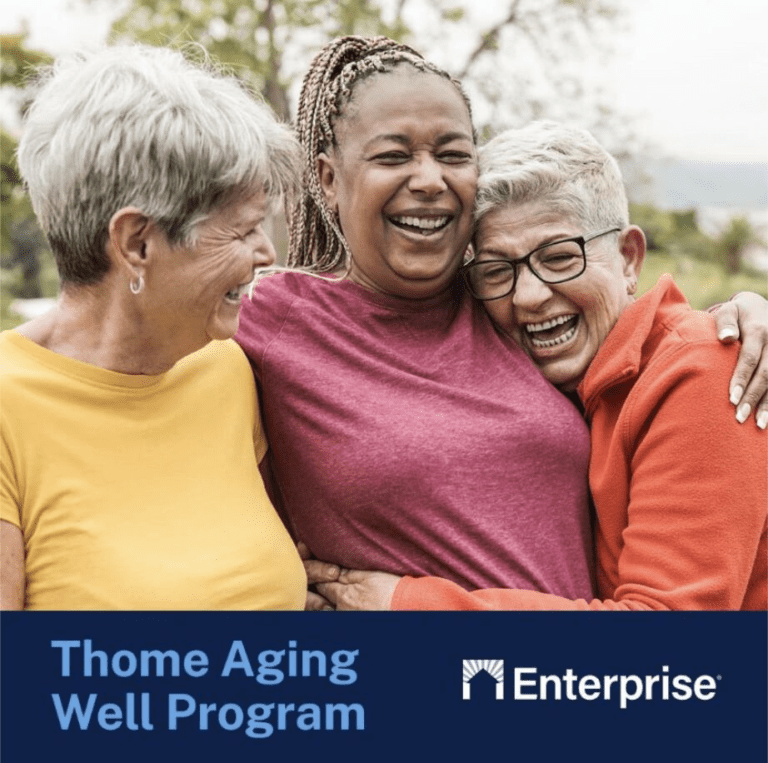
point(693, 72)
point(697, 72)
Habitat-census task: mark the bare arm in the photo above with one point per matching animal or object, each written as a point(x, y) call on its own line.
point(12, 578)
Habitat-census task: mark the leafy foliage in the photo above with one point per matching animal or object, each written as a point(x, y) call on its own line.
point(260, 41)
point(22, 244)
point(16, 59)
point(699, 263)
point(675, 232)
point(517, 65)
point(732, 242)
point(16, 62)
point(703, 282)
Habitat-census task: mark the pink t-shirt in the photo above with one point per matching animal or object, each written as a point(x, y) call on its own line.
point(410, 437)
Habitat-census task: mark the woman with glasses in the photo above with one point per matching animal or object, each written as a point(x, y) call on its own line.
point(553, 262)
point(679, 486)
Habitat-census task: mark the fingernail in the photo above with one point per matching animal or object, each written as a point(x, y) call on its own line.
point(743, 413)
point(762, 419)
point(729, 332)
point(736, 394)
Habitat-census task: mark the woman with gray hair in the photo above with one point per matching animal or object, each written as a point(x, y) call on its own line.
point(130, 425)
point(679, 487)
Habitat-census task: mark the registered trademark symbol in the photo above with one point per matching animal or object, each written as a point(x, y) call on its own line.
point(719, 678)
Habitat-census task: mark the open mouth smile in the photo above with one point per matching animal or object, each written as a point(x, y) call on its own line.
point(235, 295)
point(553, 332)
point(426, 226)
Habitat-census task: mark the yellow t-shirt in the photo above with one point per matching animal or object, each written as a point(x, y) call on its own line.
point(141, 492)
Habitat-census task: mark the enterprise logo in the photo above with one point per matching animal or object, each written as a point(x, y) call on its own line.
point(529, 684)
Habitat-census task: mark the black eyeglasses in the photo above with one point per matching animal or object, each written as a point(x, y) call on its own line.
point(556, 262)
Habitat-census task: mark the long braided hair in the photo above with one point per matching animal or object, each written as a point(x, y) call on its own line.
point(316, 242)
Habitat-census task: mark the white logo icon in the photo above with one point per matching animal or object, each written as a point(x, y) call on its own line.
point(494, 668)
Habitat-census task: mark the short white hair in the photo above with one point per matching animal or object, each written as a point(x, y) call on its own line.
point(563, 167)
point(144, 127)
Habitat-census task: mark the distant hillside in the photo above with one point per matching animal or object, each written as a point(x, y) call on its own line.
point(686, 184)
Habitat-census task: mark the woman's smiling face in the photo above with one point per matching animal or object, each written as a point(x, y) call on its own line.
point(403, 182)
point(196, 290)
point(561, 326)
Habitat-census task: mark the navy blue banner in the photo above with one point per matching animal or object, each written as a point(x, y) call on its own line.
point(384, 686)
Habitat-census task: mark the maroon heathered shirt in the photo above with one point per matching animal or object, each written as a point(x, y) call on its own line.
point(411, 438)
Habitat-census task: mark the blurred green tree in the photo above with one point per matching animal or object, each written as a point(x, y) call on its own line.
point(16, 59)
point(252, 38)
point(732, 242)
point(657, 225)
point(270, 43)
point(21, 241)
point(675, 232)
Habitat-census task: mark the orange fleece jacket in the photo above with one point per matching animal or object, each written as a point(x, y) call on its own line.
point(679, 486)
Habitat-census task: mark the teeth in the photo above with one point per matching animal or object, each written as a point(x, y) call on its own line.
point(235, 295)
point(427, 223)
point(550, 324)
point(562, 339)
point(534, 328)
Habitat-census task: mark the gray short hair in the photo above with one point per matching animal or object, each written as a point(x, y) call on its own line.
point(144, 127)
point(558, 165)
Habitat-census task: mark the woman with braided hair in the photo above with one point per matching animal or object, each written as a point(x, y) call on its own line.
point(406, 434)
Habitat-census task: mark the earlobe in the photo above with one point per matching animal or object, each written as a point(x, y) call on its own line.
point(326, 173)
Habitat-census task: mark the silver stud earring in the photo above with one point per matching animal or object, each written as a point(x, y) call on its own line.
point(137, 285)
